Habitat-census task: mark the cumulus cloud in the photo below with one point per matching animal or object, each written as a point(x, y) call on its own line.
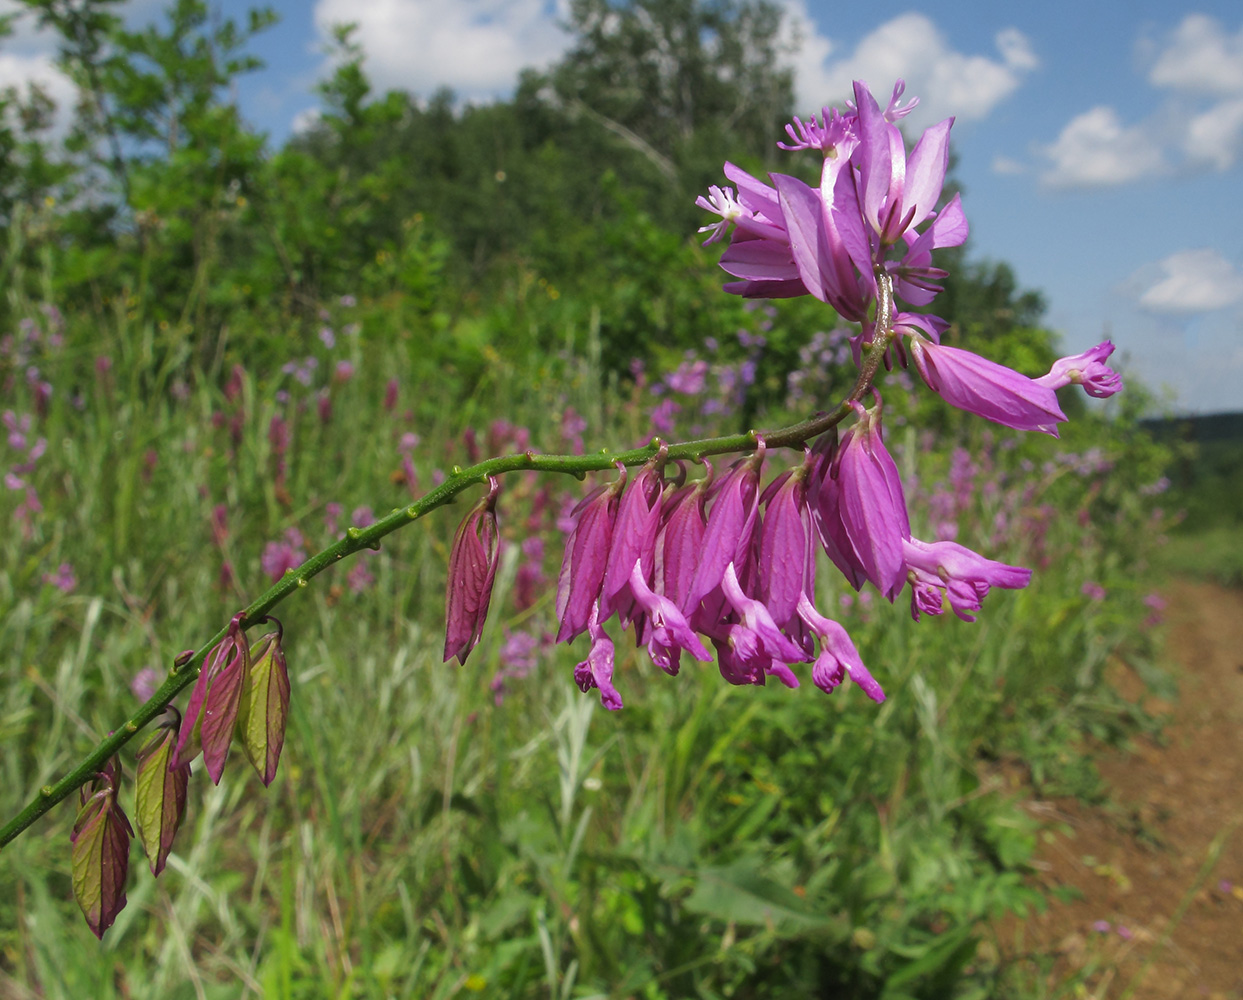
point(1200, 57)
point(1190, 281)
point(476, 47)
point(28, 57)
point(1095, 150)
point(1199, 123)
point(912, 47)
point(1008, 166)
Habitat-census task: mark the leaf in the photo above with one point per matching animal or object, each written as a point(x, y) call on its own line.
point(945, 957)
point(100, 838)
point(160, 796)
point(739, 892)
point(264, 708)
point(220, 708)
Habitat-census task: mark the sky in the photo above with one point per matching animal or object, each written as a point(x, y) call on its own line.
point(1099, 145)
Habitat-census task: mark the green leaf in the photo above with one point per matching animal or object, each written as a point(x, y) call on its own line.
point(741, 893)
point(160, 796)
point(264, 707)
point(945, 957)
point(100, 840)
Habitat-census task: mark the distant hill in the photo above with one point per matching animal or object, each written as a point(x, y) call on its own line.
point(1207, 478)
point(1200, 429)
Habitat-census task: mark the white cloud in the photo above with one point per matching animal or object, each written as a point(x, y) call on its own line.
point(21, 71)
point(910, 46)
point(1008, 166)
point(475, 47)
point(1198, 125)
point(28, 57)
point(1190, 281)
point(1215, 137)
point(1202, 57)
point(1096, 150)
point(305, 120)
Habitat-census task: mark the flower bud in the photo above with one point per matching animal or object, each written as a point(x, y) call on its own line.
point(472, 570)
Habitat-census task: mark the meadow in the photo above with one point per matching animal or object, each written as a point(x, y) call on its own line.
point(238, 353)
point(437, 830)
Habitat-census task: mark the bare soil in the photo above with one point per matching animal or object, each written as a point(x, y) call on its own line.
point(1158, 871)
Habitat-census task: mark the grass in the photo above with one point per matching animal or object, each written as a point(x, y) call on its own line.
point(428, 836)
point(1214, 553)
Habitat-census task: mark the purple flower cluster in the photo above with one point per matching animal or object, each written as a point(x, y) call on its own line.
point(834, 241)
point(729, 562)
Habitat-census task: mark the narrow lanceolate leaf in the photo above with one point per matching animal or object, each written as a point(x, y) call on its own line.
point(100, 840)
point(264, 708)
point(160, 800)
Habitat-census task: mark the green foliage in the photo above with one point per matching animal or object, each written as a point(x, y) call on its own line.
point(239, 343)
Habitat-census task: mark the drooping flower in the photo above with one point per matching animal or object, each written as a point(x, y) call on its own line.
point(666, 627)
point(597, 670)
point(633, 539)
point(977, 385)
point(863, 493)
point(729, 532)
point(756, 641)
point(963, 575)
point(1088, 370)
point(586, 557)
point(787, 563)
point(838, 657)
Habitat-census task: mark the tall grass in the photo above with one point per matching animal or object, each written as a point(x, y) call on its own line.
point(487, 830)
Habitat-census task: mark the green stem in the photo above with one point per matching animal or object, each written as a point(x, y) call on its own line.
point(182, 676)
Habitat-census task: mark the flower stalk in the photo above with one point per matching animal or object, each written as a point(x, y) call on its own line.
point(186, 669)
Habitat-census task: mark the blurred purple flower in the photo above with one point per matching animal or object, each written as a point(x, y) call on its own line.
point(63, 579)
point(280, 557)
point(1092, 590)
point(359, 578)
point(145, 683)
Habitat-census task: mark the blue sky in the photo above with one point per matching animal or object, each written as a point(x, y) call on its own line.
point(1100, 145)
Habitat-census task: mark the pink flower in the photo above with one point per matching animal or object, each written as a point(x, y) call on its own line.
point(1088, 370)
point(982, 387)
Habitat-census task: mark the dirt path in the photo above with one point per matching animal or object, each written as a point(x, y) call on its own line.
point(1161, 868)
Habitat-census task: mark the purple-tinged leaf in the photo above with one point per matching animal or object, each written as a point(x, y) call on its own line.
point(160, 796)
point(189, 739)
point(264, 710)
point(100, 839)
point(224, 697)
